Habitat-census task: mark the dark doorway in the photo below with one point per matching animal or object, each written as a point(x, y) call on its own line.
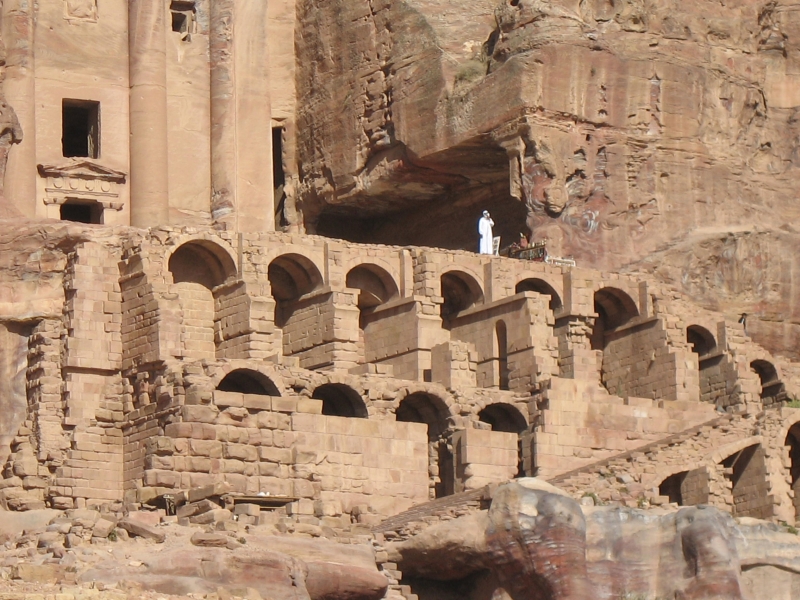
point(81, 213)
point(80, 128)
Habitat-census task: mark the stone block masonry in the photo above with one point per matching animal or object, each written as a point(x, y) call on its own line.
point(283, 446)
point(371, 376)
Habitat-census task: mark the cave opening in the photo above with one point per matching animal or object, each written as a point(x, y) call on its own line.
point(434, 202)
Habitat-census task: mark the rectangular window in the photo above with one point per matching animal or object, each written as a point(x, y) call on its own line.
point(82, 212)
point(183, 18)
point(80, 128)
point(278, 176)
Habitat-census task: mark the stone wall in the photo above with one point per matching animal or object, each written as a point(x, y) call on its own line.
point(740, 464)
point(125, 398)
point(284, 446)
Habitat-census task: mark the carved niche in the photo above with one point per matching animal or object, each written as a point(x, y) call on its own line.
point(82, 181)
point(80, 10)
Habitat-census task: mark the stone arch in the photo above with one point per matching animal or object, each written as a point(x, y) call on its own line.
point(503, 416)
point(701, 340)
point(248, 381)
point(712, 376)
point(746, 470)
point(540, 286)
point(262, 368)
point(291, 276)
point(460, 291)
point(507, 418)
point(772, 388)
point(340, 400)
point(374, 262)
point(375, 287)
point(199, 268)
point(614, 307)
point(422, 407)
point(686, 488)
point(201, 260)
point(720, 454)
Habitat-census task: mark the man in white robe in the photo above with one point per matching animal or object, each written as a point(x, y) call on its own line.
point(485, 230)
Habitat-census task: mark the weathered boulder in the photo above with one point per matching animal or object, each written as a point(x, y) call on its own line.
point(535, 543)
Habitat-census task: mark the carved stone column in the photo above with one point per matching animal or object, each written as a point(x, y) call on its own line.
point(241, 128)
point(148, 113)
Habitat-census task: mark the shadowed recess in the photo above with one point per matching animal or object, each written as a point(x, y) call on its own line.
point(246, 381)
point(340, 400)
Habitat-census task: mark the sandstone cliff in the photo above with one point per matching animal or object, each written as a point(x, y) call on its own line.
point(617, 130)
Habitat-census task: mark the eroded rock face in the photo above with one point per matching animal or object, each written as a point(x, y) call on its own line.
point(614, 129)
point(538, 544)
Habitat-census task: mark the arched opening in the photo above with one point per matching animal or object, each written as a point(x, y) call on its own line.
point(198, 268)
point(772, 388)
point(687, 488)
point(247, 381)
point(503, 417)
point(340, 400)
point(793, 446)
point(460, 292)
point(375, 287)
point(424, 408)
point(507, 418)
point(501, 340)
point(291, 276)
point(614, 309)
point(540, 286)
point(701, 340)
point(201, 262)
point(713, 386)
point(747, 472)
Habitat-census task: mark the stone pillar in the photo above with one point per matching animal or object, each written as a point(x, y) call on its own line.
point(241, 125)
point(19, 87)
point(148, 113)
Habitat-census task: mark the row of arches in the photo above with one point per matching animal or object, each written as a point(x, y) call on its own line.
point(202, 273)
point(293, 275)
point(744, 470)
point(338, 400)
point(745, 473)
point(341, 400)
point(711, 363)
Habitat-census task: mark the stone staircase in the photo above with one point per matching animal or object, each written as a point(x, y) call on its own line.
point(576, 481)
point(580, 423)
point(440, 509)
point(581, 479)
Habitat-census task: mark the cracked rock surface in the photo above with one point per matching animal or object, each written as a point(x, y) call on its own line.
point(660, 136)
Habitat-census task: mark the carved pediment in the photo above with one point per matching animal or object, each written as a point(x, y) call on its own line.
point(82, 170)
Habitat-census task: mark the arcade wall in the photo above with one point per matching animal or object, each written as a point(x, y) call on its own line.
point(358, 375)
